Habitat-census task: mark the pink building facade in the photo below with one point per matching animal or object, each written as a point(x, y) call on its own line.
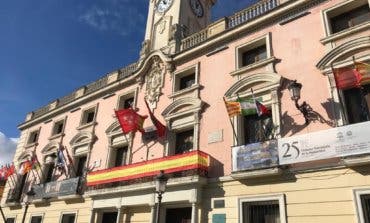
point(304, 163)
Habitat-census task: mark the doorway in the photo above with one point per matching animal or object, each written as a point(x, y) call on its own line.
point(109, 217)
point(178, 215)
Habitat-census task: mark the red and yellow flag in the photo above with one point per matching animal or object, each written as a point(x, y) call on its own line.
point(363, 72)
point(233, 108)
point(346, 77)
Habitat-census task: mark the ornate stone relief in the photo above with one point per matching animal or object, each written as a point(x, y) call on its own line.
point(154, 81)
point(162, 26)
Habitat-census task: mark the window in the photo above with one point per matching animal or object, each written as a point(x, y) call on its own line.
point(88, 116)
point(187, 81)
point(269, 209)
point(362, 199)
point(254, 55)
point(81, 166)
point(357, 101)
point(184, 141)
point(33, 137)
point(350, 18)
point(120, 156)
point(68, 218)
point(49, 172)
point(126, 101)
point(186, 78)
point(36, 219)
point(58, 128)
point(345, 15)
point(257, 128)
point(10, 220)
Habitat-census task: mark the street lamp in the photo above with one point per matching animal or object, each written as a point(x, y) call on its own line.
point(160, 187)
point(295, 93)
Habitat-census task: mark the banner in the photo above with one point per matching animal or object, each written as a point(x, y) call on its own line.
point(255, 156)
point(336, 142)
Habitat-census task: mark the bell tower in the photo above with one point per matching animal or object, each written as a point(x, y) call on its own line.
point(171, 20)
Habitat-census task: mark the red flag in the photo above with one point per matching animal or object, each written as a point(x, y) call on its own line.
point(161, 129)
point(10, 170)
point(346, 78)
point(363, 72)
point(130, 121)
point(261, 109)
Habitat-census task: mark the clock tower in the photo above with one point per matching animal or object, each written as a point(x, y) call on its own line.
point(171, 20)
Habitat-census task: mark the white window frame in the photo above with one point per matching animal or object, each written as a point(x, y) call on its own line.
point(239, 50)
point(37, 215)
point(358, 206)
point(277, 197)
point(337, 9)
point(132, 93)
point(36, 131)
point(12, 216)
point(68, 212)
point(176, 77)
point(83, 118)
point(55, 135)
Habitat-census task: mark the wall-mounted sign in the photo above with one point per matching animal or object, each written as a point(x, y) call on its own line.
point(56, 188)
point(219, 218)
point(336, 142)
point(255, 156)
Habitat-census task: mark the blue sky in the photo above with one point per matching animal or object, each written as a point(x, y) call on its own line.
point(50, 48)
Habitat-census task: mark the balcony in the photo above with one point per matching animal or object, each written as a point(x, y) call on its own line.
point(194, 163)
point(14, 196)
point(57, 189)
point(346, 146)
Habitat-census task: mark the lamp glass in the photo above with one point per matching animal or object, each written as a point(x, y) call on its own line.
point(161, 182)
point(295, 90)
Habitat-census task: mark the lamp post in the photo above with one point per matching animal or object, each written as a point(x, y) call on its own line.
point(160, 187)
point(295, 93)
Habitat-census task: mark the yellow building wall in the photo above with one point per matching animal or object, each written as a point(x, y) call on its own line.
point(53, 211)
point(321, 196)
point(137, 215)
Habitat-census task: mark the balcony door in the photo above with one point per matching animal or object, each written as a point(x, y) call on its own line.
point(178, 215)
point(109, 217)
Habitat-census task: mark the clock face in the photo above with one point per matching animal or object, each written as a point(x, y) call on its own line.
point(197, 7)
point(163, 5)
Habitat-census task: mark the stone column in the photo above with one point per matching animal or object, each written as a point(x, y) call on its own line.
point(92, 215)
point(119, 214)
point(152, 213)
point(194, 213)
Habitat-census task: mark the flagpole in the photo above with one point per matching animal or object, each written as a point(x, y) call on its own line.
point(340, 97)
point(70, 160)
point(233, 127)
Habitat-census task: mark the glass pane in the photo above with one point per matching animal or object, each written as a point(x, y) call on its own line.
point(351, 18)
point(261, 212)
point(36, 219)
point(365, 203)
point(81, 166)
point(178, 215)
point(187, 81)
point(356, 101)
point(184, 141)
point(10, 220)
point(68, 218)
point(254, 55)
point(257, 128)
point(120, 156)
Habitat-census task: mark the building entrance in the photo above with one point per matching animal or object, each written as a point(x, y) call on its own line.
point(178, 215)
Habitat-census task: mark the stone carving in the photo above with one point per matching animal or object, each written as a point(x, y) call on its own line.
point(154, 81)
point(162, 26)
point(145, 48)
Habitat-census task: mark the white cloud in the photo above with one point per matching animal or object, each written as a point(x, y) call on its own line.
point(115, 15)
point(7, 148)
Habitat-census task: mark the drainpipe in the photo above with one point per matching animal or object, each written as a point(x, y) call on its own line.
point(25, 212)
